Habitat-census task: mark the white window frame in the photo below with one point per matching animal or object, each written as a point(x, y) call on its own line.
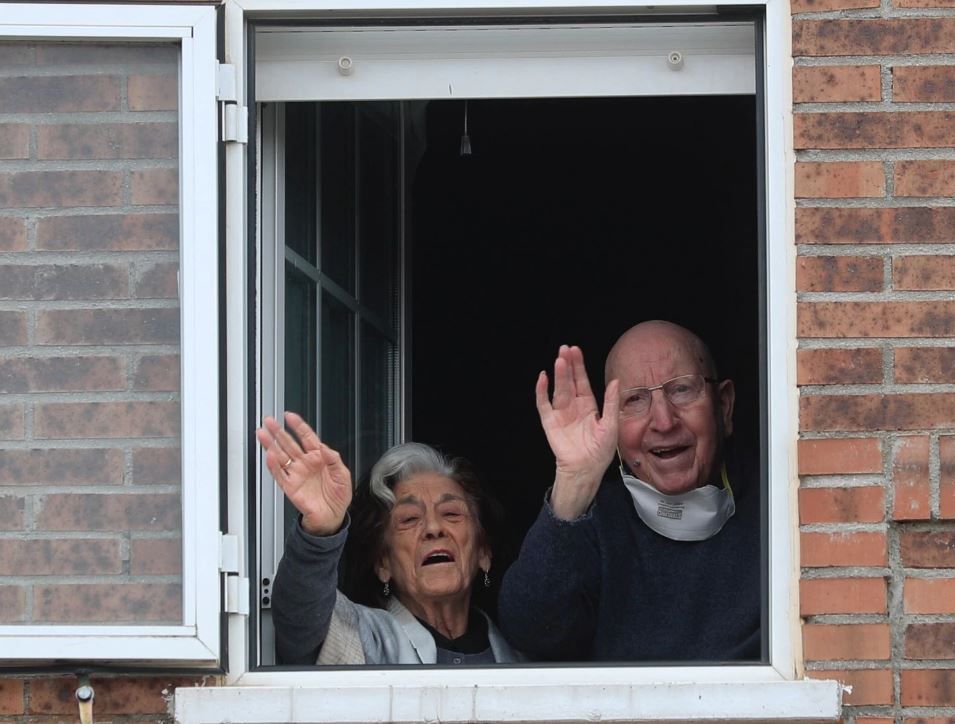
point(545, 693)
point(196, 640)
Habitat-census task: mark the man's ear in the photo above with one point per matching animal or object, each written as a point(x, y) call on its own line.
point(727, 398)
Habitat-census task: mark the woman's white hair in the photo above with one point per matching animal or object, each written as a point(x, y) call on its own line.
point(403, 461)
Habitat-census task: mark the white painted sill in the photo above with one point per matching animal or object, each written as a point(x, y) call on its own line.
point(740, 694)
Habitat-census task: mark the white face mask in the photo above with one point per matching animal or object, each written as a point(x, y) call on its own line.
point(695, 515)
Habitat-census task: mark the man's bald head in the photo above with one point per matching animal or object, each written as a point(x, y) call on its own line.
point(658, 332)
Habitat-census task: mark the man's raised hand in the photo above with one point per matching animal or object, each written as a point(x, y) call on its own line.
point(309, 472)
point(581, 439)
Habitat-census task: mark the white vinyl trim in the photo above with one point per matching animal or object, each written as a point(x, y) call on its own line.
point(196, 639)
point(570, 61)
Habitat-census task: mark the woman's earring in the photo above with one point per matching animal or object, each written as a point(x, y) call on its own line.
point(386, 589)
point(487, 580)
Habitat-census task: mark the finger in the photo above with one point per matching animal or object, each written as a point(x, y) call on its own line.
point(563, 384)
point(540, 394)
point(579, 370)
point(611, 406)
point(265, 440)
point(306, 435)
point(288, 443)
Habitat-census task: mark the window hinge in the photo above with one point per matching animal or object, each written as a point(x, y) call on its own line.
point(235, 118)
point(228, 553)
point(236, 588)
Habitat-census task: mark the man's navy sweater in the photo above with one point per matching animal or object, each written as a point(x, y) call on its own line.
point(605, 587)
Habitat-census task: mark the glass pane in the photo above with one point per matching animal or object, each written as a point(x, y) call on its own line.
point(299, 343)
point(90, 481)
point(300, 178)
point(378, 204)
point(376, 396)
point(338, 378)
point(337, 160)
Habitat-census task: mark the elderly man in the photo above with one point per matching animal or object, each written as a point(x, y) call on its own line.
point(660, 562)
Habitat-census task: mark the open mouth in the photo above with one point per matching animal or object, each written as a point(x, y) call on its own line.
point(667, 453)
point(437, 557)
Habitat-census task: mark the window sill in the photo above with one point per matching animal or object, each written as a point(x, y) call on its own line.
point(511, 695)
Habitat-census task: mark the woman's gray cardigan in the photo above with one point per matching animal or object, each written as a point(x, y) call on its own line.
point(315, 623)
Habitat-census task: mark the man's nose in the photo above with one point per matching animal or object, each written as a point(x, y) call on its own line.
point(662, 413)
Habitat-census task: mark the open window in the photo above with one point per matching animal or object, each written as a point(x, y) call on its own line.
point(419, 285)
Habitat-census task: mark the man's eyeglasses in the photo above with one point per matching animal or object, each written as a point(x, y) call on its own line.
point(680, 391)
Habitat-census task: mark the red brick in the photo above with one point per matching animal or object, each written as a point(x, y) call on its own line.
point(927, 549)
point(877, 412)
point(13, 329)
point(841, 505)
point(60, 94)
point(930, 640)
point(841, 595)
point(11, 423)
point(816, 6)
point(910, 478)
point(108, 603)
point(918, 273)
point(155, 556)
point(119, 54)
point(922, 365)
point(868, 686)
point(876, 319)
point(840, 457)
point(924, 178)
point(155, 186)
point(839, 642)
point(835, 83)
point(11, 513)
point(839, 366)
point(874, 129)
point(153, 92)
point(875, 226)
point(13, 234)
point(68, 420)
point(64, 281)
point(839, 274)
point(11, 695)
point(874, 720)
point(157, 466)
point(127, 696)
point(108, 326)
point(841, 179)
point(158, 372)
point(929, 595)
point(928, 687)
point(59, 557)
point(158, 281)
point(929, 720)
point(110, 512)
point(14, 141)
point(61, 467)
point(109, 232)
point(946, 491)
point(60, 189)
point(899, 36)
point(53, 374)
point(923, 84)
point(12, 607)
point(107, 141)
point(820, 550)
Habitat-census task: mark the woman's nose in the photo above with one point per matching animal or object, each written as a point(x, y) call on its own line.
point(433, 525)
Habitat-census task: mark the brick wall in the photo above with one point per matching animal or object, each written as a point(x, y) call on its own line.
point(875, 233)
point(90, 528)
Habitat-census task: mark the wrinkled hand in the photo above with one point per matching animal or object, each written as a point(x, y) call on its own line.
point(583, 442)
point(311, 474)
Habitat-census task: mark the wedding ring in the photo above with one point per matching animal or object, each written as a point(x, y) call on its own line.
point(285, 466)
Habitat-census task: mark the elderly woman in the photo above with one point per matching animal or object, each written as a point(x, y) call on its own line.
point(425, 544)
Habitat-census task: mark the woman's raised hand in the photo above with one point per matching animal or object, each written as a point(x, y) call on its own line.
point(310, 473)
point(581, 439)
